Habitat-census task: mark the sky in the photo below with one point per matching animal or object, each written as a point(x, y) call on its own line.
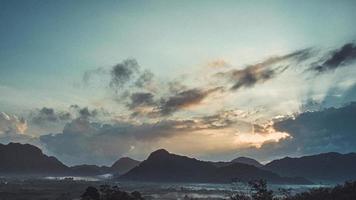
point(92, 81)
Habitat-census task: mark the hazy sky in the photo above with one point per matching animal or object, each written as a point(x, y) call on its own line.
point(91, 81)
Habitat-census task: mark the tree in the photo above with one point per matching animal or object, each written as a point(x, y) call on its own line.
point(260, 191)
point(91, 193)
point(109, 193)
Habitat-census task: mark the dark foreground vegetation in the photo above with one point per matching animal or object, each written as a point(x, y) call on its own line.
point(79, 190)
point(107, 192)
point(259, 191)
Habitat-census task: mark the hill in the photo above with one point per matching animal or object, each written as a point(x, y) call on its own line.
point(248, 161)
point(124, 165)
point(162, 166)
point(329, 167)
point(27, 159)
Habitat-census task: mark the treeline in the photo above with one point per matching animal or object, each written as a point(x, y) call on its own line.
point(107, 192)
point(259, 191)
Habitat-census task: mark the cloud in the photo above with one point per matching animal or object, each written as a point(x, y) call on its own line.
point(328, 130)
point(49, 116)
point(45, 120)
point(82, 141)
point(123, 72)
point(218, 63)
point(86, 113)
point(89, 74)
point(124, 75)
point(142, 104)
point(144, 78)
point(184, 99)
point(14, 129)
point(141, 99)
point(45, 115)
point(338, 58)
point(263, 71)
point(331, 129)
point(11, 124)
point(90, 142)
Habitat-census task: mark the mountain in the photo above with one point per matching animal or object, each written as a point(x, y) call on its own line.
point(124, 165)
point(26, 159)
point(121, 166)
point(21, 159)
point(248, 161)
point(162, 166)
point(328, 167)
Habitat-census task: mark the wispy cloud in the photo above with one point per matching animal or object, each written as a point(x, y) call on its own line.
point(263, 71)
point(338, 58)
point(184, 99)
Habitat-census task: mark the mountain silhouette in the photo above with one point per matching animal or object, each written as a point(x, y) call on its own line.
point(124, 165)
point(20, 159)
point(25, 159)
point(121, 166)
point(248, 161)
point(162, 166)
point(328, 167)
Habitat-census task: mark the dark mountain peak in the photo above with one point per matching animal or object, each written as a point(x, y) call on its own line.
point(159, 153)
point(18, 147)
point(248, 161)
point(16, 158)
point(125, 159)
point(124, 165)
point(163, 166)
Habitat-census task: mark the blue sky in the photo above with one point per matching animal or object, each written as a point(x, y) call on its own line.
point(46, 47)
point(47, 41)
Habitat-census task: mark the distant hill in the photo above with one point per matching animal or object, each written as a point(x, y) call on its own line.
point(26, 159)
point(328, 167)
point(248, 161)
point(121, 166)
point(124, 165)
point(22, 159)
point(162, 166)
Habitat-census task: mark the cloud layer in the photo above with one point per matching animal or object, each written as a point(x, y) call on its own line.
point(257, 110)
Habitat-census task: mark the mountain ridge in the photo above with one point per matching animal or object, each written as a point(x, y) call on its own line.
point(331, 166)
point(162, 166)
point(26, 159)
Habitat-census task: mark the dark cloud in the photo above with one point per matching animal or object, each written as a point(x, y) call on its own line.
point(129, 74)
point(335, 96)
point(48, 117)
point(332, 129)
point(123, 72)
point(45, 115)
point(140, 99)
point(221, 119)
point(145, 104)
point(184, 99)
point(144, 78)
point(96, 143)
point(250, 76)
point(86, 113)
point(328, 130)
point(263, 71)
point(338, 58)
point(124, 78)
